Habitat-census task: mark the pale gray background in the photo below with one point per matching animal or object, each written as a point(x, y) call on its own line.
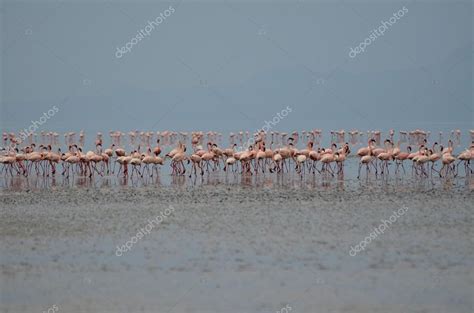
point(231, 65)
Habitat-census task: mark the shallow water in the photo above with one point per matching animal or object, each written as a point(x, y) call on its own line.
point(239, 248)
point(416, 184)
point(308, 179)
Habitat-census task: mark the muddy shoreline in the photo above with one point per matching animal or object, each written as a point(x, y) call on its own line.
point(237, 249)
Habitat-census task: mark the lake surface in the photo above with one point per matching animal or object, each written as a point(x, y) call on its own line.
point(239, 248)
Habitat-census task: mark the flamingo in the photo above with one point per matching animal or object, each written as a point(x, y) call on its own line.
point(447, 159)
point(272, 150)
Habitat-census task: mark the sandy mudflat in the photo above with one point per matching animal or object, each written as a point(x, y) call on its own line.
point(236, 249)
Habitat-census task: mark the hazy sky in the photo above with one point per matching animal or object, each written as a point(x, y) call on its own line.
point(231, 65)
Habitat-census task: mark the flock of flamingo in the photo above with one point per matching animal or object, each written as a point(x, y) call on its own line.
point(247, 154)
